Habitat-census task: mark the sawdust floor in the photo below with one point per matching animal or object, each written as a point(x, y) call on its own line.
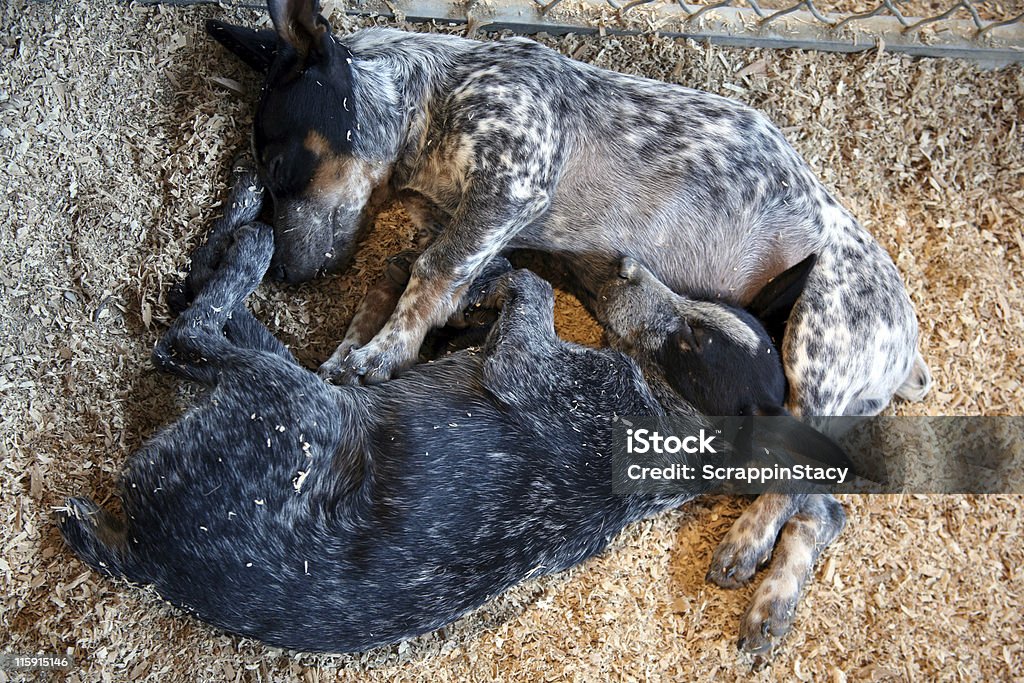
point(114, 142)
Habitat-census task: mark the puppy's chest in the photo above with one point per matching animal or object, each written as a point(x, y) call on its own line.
point(501, 147)
point(439, 173)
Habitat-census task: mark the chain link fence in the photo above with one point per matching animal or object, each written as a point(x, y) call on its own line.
point(988, 31)
point(767, 15)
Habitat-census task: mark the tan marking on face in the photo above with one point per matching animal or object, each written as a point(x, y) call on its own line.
point(341, 179)
point(317, 144)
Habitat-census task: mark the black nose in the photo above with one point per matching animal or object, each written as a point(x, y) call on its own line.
point(277, 272)
point(628, 268)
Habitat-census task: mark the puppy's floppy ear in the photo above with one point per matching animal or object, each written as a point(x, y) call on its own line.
point(255, 48)
point(795, 442)
point(769, 411)
point(298, 24)
point(773, 304)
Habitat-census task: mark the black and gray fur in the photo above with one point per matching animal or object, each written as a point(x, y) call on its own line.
point(331, 518)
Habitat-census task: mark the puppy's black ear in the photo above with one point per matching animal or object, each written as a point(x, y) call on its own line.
point(773, 304)
point(255, 48)
point(769, 411)
point(793, 442)
point(300, 26)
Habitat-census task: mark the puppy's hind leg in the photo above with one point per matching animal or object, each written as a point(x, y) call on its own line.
point(790, 530)
point(804, 536)
point(748, 544)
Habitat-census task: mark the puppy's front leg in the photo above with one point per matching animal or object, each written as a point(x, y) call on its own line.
point(480, 229)
point(376, 307)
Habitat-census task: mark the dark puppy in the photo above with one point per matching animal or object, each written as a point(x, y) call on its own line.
point(341, 518)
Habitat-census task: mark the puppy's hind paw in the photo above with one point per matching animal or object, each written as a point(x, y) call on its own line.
point(734, 564)
point(747, 547)
point(769, 617)
point(918, 383)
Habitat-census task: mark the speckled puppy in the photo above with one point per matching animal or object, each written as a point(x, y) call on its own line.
point(507, 144)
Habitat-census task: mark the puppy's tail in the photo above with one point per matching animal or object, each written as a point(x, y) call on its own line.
point(96, 536)
point(918, 383)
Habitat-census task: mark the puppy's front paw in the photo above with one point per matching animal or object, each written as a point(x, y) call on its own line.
point(333, 369)
point(246, 200)
point(371, 364)
point(490, 290)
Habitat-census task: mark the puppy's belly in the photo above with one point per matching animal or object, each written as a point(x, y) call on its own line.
point(698, 259)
